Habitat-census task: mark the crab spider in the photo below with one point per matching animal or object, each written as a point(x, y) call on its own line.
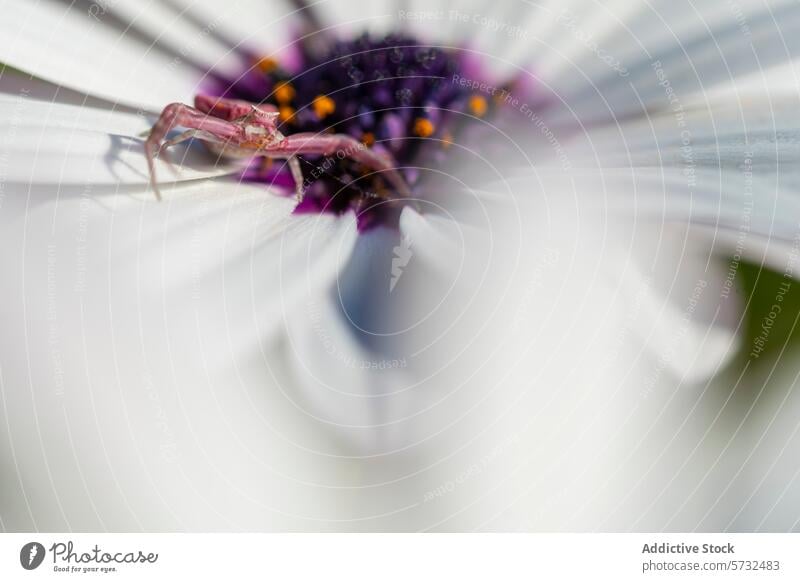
point(235, 128)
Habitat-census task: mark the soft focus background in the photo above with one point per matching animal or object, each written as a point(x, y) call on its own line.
point(583, 334)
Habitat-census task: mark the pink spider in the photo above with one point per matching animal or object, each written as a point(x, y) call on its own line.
point(235, 128)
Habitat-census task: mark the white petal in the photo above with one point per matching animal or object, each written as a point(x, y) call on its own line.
point(235, 249)
point(65, 44)
point(437, 240)
point(170, 26)
point(662, 51)
point(687, 320)
point(362, 398)
point(762, 493)
point(266, 27)
point(360, 352)
point(651, 254)
point(730, 164)
point(552, 375)
point(717, 133)
point(139, 382)
point(14, 84)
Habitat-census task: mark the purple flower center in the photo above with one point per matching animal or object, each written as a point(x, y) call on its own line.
point(393, 94)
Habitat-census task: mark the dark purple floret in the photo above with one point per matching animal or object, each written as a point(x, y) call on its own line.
point(393, 94)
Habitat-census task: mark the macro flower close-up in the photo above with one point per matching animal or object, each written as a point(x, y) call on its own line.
point(340, 266)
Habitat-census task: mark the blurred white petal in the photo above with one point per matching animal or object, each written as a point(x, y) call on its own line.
point(695, 47)
point(145, 335)
point(436, 240)
point(361, 397)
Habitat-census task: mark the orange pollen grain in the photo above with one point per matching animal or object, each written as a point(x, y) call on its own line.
point(478, 105)
point(323, 106)
point(266, 64)
point(368, 139)
point(284, 93)
point(423, 127)
point(286, 113)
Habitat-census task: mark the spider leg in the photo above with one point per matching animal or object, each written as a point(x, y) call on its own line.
point(186, 135)
point(341, 146)
point(162, 149)
point(178, 114)
point(294, 168)
point(230, 109)
point(297, 175)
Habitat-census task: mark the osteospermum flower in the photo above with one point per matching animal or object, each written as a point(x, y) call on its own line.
point(230, 358)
